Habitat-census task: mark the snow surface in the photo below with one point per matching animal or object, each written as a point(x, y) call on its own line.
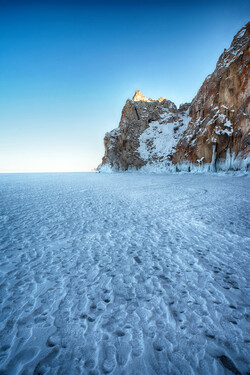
point(241, 34)
point(124, 273)
point(159, 139)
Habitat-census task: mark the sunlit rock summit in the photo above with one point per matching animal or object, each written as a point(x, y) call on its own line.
point(210, 133)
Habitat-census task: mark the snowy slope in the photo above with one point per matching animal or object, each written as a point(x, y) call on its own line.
point(161, 137)
point(124, 274)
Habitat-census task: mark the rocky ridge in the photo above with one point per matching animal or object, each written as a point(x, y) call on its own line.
point(147, 129)
point(211, 132)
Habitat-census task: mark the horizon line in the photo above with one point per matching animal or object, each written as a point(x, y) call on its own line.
point(89, 171)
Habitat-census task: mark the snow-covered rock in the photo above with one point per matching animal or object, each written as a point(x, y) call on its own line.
point(207, 134)
point(148, 132)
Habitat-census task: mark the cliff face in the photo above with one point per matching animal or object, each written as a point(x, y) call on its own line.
point(220, 120)
point(148, 132)
point(213, 128)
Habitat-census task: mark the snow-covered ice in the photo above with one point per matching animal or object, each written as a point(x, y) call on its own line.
point(124, 273)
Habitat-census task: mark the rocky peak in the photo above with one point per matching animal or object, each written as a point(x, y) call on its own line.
point(139, 97)
point(161, 99)
point(236, 48)
point(143, 122)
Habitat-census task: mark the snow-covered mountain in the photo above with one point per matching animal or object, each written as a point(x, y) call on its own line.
point(210, 133)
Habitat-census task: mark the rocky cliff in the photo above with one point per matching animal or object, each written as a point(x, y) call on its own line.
point(212, 131)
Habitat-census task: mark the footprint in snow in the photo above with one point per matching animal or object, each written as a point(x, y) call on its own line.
point(228, 364)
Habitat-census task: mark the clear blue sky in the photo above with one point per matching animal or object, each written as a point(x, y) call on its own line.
point(67, 68)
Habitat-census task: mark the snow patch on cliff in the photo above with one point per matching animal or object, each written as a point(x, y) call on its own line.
point(160, 138)
point(157, 140)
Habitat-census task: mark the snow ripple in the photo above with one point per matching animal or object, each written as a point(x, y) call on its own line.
point(124, 274)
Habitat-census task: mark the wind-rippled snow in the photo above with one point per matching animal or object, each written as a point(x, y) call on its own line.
point(124, 274)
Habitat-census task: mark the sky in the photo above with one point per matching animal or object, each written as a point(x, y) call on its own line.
point(67, 68)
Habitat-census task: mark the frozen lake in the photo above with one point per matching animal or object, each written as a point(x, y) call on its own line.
point(124, 274)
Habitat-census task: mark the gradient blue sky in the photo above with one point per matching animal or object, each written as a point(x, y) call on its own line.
point(67, 68)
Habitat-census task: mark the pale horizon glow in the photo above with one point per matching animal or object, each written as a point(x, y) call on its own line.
point(67, 69)
point(52, 162)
